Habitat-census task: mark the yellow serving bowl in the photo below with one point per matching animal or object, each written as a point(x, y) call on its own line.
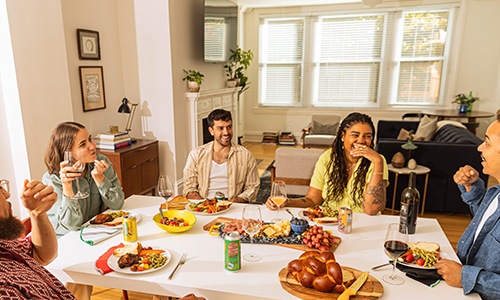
point(179, 214)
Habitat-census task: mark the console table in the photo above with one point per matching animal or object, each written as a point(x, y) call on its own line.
point(453, 113)
point(137, 166)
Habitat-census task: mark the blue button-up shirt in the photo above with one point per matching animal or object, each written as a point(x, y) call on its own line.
point(481, 258)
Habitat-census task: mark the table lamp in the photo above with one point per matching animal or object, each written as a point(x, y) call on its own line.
point(125, 109)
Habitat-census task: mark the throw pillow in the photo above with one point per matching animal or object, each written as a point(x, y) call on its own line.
point(404, 134)
point(440, 124)
point(426, 129)
point(318, 128)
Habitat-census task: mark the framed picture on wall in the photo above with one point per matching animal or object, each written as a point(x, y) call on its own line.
point(88, 44)
point(92, 86)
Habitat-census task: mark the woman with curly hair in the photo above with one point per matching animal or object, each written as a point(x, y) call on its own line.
point(351, 173)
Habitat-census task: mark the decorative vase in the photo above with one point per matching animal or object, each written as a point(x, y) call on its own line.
point(193, 86)
point(462, 108)
point(231, 83)
point(469, 107)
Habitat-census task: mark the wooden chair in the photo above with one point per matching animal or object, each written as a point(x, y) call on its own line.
point(321, 131)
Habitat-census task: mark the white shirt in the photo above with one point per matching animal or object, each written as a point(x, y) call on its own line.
point(489, 211)
point(218, 179)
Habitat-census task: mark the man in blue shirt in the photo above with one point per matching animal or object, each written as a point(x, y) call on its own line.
point(478, 248)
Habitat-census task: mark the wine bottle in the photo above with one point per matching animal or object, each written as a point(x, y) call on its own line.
point(410, 200)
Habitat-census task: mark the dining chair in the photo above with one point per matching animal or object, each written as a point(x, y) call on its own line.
point(321, 131)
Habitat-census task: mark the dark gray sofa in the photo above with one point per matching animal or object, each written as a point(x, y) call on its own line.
point(451, 148)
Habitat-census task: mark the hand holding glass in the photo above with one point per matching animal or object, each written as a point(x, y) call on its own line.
point(278, 196)
point(252, 223)
point(396, 244)
point(77, 165)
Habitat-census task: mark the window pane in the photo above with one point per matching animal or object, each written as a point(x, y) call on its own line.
point(285, 40)
point(424, 34)
point(419, 82)
point(283, 84)
point(356, 83)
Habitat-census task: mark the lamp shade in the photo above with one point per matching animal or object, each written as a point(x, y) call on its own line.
point(124, 108)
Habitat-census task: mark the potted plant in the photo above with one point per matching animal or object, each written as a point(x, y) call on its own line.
point(464, 102)
point(238, 62)
point(194, 80)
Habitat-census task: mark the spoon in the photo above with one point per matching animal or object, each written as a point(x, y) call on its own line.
point(161, 213)
point(288, 211)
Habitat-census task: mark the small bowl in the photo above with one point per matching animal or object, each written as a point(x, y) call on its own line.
point(298, 229)
point(186, 215)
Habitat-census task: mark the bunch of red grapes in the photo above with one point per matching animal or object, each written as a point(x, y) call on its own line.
point(315, 237)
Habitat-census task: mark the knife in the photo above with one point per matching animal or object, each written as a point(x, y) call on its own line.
point(353, 289)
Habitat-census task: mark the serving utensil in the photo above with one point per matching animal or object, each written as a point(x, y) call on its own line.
point(382, 265)
point(161, 213)
point(180, 263)
point(353, 289)
point(290, 212)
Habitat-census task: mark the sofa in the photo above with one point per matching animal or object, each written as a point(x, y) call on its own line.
point(450, 148)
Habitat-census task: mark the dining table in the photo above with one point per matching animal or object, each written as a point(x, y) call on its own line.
point(204, 274)
point(471, 116)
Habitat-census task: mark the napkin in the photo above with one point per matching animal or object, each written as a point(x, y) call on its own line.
point(101, 265)
point(429, 277)
point(93, 235)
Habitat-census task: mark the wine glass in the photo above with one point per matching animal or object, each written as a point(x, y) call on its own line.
point(396, 244)
point(165, 187)
point(77, 167)
point(278, 196)
point(251, 222)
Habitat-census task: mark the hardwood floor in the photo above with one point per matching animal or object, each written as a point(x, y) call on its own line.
point(452, 224)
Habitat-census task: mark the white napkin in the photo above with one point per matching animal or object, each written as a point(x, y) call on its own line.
point(93, 235)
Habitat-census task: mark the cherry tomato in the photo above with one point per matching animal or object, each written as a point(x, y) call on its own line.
point(198, 209)
point(409, 258)
point(420, 261)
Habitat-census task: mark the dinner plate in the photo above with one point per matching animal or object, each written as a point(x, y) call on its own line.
point(204, 213)
point(113, 264)
point(303, 216)
point(416, 266)
point(136, 215)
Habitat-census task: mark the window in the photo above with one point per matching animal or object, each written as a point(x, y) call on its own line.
point(388, 58)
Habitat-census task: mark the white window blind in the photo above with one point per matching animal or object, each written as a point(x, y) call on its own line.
point(349, 60)
point(215, 39)
point(394, 57)
point(281, 61)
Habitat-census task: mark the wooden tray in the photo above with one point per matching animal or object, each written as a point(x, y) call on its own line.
point(371, 289)
point(302, 247)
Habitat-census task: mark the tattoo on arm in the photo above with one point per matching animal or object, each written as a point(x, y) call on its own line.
point(378, 194)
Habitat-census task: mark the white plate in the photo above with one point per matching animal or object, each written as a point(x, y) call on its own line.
point(204, 213)
point(136, 215)
point(113, 264)
point(416, 266)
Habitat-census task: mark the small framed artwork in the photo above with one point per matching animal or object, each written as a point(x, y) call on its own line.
point(88, 44)
point(92, 86)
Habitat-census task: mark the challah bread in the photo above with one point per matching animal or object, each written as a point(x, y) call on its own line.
point(318, 270)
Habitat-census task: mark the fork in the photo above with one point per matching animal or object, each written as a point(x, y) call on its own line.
point(180, 263)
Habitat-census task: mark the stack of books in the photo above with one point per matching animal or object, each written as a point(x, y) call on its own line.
point(270, 137)
point(110, 141)
point(287, 138)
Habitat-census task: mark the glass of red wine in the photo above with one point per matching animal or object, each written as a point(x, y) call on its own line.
point(165, 187)
point(396, 244)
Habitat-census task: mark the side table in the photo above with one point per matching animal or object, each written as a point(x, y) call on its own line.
point(419, 170)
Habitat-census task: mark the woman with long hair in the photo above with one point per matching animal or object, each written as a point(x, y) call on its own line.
point(351, 173)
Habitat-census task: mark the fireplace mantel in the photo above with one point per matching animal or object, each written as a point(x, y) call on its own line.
point(203, 102)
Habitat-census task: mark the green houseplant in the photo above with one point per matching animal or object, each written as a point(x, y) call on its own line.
point(194, 79)
point(238, 62)
point(465, 102)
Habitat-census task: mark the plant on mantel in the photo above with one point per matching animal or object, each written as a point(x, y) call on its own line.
point(235, 68)
point(194, 79)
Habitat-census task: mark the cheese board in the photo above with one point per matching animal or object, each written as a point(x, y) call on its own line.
point(371, 289)
point(287, 242)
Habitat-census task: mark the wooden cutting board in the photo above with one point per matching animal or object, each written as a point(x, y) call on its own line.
point(371, 289)
point(302, 247)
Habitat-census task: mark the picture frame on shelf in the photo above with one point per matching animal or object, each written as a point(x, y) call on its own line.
point(89, 46)
point(92, 87)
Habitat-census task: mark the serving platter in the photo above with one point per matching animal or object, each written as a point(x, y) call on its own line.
point(303, 216)
point(188, 208)
point(371, 289)
point(113, 264)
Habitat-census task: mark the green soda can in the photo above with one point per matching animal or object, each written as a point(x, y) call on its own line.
point(232, 252)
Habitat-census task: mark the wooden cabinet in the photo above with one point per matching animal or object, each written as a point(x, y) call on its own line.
point(137, 166)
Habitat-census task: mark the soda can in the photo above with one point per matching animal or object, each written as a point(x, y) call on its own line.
point(345, 220)
point(130, 229)
point(232, 251)
point(219, 196)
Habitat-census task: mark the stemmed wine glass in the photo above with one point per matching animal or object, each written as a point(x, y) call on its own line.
point(77, 167)
point(251, 222)
point(165, 187)
point(396, 244)
point(278, 196)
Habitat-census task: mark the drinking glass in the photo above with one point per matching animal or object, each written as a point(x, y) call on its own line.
point(278, 196)
point(77, 167)
point(396, 244)
point(251, 222)
point(165, 187)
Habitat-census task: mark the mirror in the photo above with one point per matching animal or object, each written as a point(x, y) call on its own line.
point(221, 24)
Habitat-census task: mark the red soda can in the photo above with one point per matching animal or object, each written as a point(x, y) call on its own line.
point(345, 220)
